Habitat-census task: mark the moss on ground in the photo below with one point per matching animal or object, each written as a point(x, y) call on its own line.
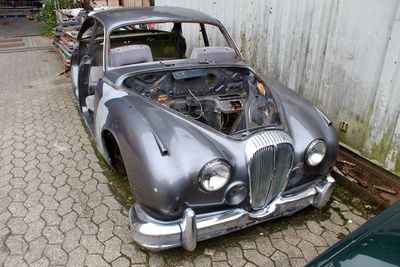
point(348, 198)
point(118, 184)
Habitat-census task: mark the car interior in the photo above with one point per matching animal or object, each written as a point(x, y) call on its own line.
point(146, 43)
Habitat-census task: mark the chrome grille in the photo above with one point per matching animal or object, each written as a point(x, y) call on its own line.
point(269, 160)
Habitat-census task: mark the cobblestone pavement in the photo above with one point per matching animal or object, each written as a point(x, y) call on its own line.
point(56, 207)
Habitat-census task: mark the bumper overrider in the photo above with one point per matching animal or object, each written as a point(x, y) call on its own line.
point(187, 231)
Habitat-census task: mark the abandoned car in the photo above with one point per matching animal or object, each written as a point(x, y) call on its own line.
point(209, 145)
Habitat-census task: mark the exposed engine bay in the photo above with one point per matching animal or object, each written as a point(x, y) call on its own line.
point(230, 100)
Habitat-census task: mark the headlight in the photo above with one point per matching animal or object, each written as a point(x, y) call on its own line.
point(215, 175)
point(315, 152)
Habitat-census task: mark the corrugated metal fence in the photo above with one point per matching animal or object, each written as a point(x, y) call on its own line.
point(344, 56)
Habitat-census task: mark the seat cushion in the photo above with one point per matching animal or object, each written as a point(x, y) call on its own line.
point(130, 54)
point(214, 53)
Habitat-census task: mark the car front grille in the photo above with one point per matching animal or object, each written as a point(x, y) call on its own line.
point(269, 160)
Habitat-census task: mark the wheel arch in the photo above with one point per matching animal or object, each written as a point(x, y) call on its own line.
point(113, 152)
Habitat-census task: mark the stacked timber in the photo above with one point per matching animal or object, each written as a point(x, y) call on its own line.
point(65, 44)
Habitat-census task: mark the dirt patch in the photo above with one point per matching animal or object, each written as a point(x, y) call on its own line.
point(368, 179)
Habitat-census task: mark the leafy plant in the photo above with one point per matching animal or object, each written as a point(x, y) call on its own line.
point(47, 14)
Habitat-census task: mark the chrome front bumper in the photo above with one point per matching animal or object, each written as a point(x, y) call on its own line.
point(187, 231)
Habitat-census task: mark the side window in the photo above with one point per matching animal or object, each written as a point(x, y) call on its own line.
point(98, 45)
point(85, 40)
point(86, 36)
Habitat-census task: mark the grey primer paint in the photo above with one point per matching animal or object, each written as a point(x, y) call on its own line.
point(164, 147)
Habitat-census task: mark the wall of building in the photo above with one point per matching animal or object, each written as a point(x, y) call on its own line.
point(344, 56)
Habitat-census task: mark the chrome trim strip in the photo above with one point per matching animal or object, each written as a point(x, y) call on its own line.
point(158, 235)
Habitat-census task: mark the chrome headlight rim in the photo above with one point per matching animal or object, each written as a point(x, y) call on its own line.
point(213, 164)
point(309, 152)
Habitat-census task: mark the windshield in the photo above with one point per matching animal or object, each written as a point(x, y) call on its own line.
point(140, 43)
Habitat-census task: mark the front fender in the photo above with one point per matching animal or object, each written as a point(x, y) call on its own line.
point(163, 155)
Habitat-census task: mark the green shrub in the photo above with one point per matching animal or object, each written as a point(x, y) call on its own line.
point(47, 15)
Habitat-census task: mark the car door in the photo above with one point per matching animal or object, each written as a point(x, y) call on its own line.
point(82, 59)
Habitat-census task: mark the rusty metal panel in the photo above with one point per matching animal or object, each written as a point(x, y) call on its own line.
point(344, 56)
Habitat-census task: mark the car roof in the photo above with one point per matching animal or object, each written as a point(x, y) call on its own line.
point(112, 18)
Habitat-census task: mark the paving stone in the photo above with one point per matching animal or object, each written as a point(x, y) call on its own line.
point(290, 236)
point(133, 253)
point(321, 249)
point(15, 260)
point(4, 203)
point(17, 209)
point(355, 218)
point(68, 221)
point(264, 246)
point(34, 230)
point(286, 248)
point(4, 217)
point(308, 249)
point(42, 262)
point(33, 199)
point(235, 256)
point(35, 250)
point(95, 260)
point(91, 243)
point(51, 217)
point(219, 256)
point(72, 239)
point(95, 199)
point(330, 237)
point(247, 244)
point(220, 264)
point(65, 206)
point(276, 235)
point(16, 245)
point(17, 225)
point(351, 227)
point(55, 254)
point(156, 260)
point(315, 227)
point(202, 261)
point(18, 194)
point(328, 224)
point(336, 218)
point(117, 217)
point(100, 214)
point(53, 234)
point(87, 227)
point(341, 206)
point(280, 259)
point(105, 230)
point(121, 262)
point(297, 262)
point(311, 237)
point(34, 213)
point(77, 257)
point(257, 258)
point(112, 249)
